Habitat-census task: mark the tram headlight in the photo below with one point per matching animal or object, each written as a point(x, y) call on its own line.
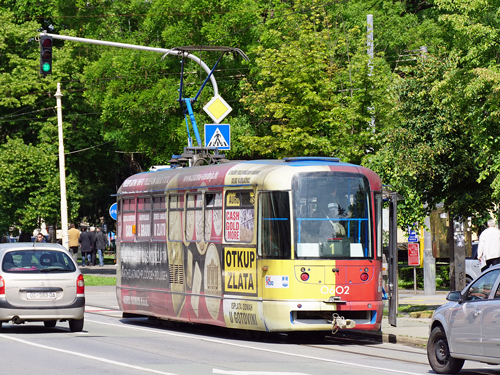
point(304, 276)
point(364, 276)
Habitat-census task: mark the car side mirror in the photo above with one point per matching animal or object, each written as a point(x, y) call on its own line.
point(454, 296)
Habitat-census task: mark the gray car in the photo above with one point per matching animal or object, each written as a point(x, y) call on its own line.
point(40, 282)
point(467, 326)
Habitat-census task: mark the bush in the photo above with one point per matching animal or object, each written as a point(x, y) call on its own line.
point(405, 276)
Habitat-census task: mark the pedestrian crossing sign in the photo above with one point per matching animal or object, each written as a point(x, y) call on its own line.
point(218, 135)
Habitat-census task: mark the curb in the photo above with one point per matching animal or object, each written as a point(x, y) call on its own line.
point(390, 338)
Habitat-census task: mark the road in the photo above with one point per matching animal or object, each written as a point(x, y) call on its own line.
point(112, 345)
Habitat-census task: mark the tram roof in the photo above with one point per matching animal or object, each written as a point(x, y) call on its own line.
point(216, 175)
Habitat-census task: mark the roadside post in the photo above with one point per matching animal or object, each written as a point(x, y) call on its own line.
point(429, 262)
point(62, 171)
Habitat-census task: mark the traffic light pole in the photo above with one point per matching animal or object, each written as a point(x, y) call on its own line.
point(141, 48)
point(178, 51)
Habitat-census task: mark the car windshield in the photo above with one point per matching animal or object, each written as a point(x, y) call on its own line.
point(33, 261)
point(332, 216)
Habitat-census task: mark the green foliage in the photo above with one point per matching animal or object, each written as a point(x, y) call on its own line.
point(430, 156)
point(29, 188)
point(310, 93)
point(306, 91)
point(406, 279)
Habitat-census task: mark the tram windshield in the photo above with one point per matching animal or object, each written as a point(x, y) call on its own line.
point(332, 216)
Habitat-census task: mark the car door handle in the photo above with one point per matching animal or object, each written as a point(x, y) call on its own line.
point(477, 313)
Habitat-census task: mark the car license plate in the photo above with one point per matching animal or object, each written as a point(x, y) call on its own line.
point(41, 295)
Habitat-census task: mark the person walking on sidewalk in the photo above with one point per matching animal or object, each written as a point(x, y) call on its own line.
point(93, 249)
point(85, 247)
point(101, 241)
point(74, 236)
point(489, 246)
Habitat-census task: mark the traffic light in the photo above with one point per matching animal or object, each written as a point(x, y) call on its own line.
point(45, 55)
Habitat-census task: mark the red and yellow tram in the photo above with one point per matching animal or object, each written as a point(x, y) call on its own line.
point(266, 245)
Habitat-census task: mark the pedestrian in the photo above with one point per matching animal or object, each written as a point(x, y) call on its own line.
point(488, 250)
point(40, 238)
point(332, 228)
point(340, 199)
point(93, 250)
point(85, 247)
point(74, 236)
point(101, 241)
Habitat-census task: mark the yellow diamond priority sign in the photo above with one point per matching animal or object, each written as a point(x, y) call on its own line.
point(217, 109)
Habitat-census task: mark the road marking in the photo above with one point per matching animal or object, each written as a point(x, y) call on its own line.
point(100, 359)
point(217, 371)
point(255, 348)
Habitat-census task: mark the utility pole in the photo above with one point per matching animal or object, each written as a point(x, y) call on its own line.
point(456, 242)
point(369, 44)
point(429, 261)
point(62, 171)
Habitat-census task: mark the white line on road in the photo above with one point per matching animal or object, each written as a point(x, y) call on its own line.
point(100, 359)
point(255, 348)
point(217, 371)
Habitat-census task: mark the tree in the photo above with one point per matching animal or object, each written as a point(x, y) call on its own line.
point(29, 187)
point(310, 90)
point(430, 157)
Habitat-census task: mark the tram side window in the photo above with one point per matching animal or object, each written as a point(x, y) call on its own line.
point(175, 210)
point(128, 219)
point(239, 215)
point(213, 216)
point(159, 219)
point(143, 218)
point(194, 217)
point(274, 225)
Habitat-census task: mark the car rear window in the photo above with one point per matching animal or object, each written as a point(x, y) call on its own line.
point(37, 261)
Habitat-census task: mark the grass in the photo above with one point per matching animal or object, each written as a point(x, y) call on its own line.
point(91, 280)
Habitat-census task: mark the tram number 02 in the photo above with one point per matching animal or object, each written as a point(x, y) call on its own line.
point(339, 289)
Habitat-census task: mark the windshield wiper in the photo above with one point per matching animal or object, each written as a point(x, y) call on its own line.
point(53, 269)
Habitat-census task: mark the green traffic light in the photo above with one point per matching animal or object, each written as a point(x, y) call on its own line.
point(46, 67)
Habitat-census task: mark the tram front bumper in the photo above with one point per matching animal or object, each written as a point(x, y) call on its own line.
point(283, 316)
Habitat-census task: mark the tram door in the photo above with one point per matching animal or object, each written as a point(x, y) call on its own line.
point(274, 242)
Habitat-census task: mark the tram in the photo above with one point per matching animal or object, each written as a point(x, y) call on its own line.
point(265, 245)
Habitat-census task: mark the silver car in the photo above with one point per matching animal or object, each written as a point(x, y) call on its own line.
point(40, 282)
point(467, 326)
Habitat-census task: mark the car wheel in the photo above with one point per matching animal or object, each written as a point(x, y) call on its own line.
point(50, 323)
point(438, 354)
point(76, 325)
point(468, 280)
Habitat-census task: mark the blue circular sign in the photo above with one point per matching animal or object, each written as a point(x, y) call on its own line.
point(113, 211)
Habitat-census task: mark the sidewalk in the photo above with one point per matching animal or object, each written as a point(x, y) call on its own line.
point(411, 328)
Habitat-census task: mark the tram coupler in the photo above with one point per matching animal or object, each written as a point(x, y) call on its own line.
point(339, 322)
